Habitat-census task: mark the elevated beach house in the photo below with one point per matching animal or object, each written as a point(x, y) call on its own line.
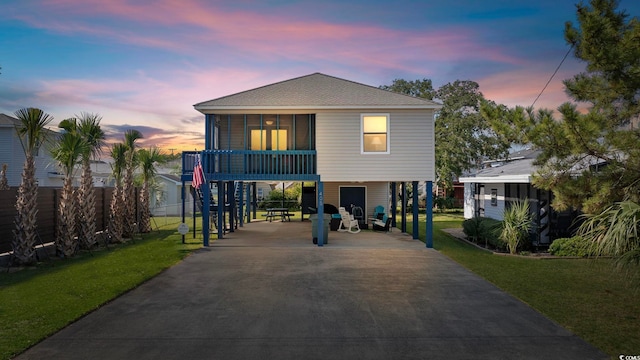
point(353, 141)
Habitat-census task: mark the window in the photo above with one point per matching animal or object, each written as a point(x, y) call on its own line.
point(375, 133)
point(494, 197)
point(276, 139)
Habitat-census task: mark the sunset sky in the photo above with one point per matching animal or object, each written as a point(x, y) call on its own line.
point(143, 64)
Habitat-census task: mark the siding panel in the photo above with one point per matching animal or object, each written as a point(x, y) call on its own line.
point(411, 148)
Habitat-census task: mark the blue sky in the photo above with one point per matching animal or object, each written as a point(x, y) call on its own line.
point(143, 64)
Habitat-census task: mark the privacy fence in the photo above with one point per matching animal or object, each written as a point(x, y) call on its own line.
point(48, 199)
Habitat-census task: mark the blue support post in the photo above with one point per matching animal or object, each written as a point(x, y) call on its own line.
point(182, 195)
point(231, 198)
point(221, 224)
point(254, 199)
point(241, 204)
point(248, 200)
point(206, 191)
point(415, 210)
point(404, 207)
point(394, 203)
point(320, 213)
point(429, 197)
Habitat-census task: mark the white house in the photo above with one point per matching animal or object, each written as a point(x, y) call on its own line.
point(11, 153)
point(491, 189)
point(352, 139)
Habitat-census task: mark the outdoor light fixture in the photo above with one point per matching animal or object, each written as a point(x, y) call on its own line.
point(269, 122)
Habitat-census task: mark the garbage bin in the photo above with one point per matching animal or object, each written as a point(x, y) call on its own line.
point(314, 227)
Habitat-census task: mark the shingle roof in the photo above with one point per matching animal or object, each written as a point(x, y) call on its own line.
point(6, 120)
point(316, 91)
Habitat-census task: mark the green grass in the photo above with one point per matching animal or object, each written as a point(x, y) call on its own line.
point(36, 302)
point(586, 296)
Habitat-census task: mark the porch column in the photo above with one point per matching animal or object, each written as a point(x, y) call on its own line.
point(320, 213)
point(429, 211)
point(248, 200)
point(394, 202)
point(206, 191)
point(254, 199)
point(220, 209)
point(241, 203)
point(404, 207)
point(182, 196)
point(415, 210)
point(231, 198)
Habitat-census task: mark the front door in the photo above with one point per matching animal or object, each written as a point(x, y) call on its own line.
point(351, 196)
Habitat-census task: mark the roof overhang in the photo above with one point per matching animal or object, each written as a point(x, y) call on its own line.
point(525, 178)
point(297, 109)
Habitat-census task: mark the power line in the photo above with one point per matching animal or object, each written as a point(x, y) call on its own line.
point(552, 75)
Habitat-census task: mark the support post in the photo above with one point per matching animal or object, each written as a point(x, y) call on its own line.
point(254, 199)
point(320, 213)
point(248, 200)
point(394, 203)
point(241, 204)
point(206, 191)
point(415, 210)
point(220, 209)
point(231, 198)
point(429, 211)
point(183, 210)
point(404, 207)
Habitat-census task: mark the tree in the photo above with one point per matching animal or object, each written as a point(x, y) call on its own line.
point(417, 88)
point(148, 158)
point(90, 131)
point(463, 136)
point(32, 134)
point(589, 160)
point(4, 183)
point(67, 152)
point(116, 206)
point(128, 186)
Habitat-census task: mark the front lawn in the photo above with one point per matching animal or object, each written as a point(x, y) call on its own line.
point(588, 297)
point(36, 302)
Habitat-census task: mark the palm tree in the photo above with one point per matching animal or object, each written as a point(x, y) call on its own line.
point(32, 133)
point(4, 183)
point(148, 158)
point(128, 187)
point(88, 128)
point(615, 232)
point(67, 153)
point(116, 207)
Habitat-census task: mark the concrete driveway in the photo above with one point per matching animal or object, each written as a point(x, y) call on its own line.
point(266, 292)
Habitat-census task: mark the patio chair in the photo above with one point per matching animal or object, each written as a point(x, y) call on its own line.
point(379, 225)
point(378, 212)
point(348, 224)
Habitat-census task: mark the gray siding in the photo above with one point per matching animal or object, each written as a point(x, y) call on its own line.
point(490, 211)
point(411, 155)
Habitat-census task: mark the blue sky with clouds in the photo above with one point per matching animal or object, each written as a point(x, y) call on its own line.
point(143, 64)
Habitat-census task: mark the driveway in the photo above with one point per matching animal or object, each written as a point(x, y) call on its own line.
point(266, 292)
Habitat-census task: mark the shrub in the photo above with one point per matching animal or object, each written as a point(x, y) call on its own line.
point(489, 233)
point(516, 224)
point(471, 227)
point(573, 246)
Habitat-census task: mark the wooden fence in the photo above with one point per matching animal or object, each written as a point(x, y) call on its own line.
point(48, 199)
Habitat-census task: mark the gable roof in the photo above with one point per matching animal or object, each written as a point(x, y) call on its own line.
point(6, 120)
point(518, 168)
point(316, 91)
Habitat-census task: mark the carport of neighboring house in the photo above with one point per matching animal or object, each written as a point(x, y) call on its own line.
point(355, 142)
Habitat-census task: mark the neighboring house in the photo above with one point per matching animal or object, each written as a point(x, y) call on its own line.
point(11, 153)
point(351, 139)
point(166, 196)
point(493, 188)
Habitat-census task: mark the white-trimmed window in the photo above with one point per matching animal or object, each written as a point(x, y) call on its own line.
point(375, 133)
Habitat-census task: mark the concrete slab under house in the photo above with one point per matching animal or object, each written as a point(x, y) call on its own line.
point(357, 144)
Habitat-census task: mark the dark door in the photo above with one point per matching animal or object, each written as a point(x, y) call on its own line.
point(353, 195)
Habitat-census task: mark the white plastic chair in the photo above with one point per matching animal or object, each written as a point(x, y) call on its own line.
point(348, 223)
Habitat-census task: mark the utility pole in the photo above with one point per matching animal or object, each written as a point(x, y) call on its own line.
point(172, 151)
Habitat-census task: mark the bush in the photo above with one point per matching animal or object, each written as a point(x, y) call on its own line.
point(573, 246)
point(516, 224)
point(484, 231)
point(489, 233)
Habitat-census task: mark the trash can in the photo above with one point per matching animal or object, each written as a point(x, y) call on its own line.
point(314, 228)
